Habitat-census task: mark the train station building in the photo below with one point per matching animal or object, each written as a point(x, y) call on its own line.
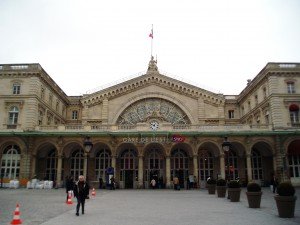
point(150, 126)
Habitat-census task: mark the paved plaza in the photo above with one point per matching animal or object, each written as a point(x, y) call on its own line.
point(140, 207)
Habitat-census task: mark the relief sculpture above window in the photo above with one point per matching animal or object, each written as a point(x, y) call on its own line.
point(153, 108)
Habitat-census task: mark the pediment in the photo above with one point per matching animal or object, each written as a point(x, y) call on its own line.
point(152, 78)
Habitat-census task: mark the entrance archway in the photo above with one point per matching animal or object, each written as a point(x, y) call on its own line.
point(154, 165)
point(128, 168)
point(180, 165)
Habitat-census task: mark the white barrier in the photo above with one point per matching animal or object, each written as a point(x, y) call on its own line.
point(14, 184)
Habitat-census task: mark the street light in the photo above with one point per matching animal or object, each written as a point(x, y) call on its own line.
point(88, 145)
point(226, 147)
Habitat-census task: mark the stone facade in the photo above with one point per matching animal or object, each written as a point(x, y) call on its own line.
point(152, 126)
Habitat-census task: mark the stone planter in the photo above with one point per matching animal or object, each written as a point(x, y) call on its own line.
point(234, 194)
point(211, 189)
point(254, 199)
point(285, 205)
point(221, 191)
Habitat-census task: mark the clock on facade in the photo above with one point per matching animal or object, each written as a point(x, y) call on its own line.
point(154, 125)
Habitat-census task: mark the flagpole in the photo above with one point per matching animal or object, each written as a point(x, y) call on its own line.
point(152, 40)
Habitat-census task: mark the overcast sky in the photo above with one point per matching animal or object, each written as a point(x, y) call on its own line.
point(85, 45)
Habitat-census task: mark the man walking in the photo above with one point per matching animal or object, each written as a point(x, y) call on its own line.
point(81, 192)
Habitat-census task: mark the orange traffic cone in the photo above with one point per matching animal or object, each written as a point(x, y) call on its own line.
point(16, 218)
point(69, 202)
point(93, 192)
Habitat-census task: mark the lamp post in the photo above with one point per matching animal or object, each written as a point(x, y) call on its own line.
point(226, 147)
point(88, 145)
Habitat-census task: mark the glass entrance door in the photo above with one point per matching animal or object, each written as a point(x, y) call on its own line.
point(128, 177)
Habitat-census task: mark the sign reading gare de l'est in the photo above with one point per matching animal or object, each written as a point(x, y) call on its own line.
point(163, 139)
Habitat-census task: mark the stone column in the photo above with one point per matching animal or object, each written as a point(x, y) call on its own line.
point(168, 172)
point(85, 165)
point(33, 165)
point(141, 172)
point(222, 166)
point(249, 168)
point(195, 163)
point(113, 162)
point(59, 170)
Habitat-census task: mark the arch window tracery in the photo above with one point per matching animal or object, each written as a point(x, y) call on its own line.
point(206, 165)
point(10, 162)
point(77, 163)
point(143, 110)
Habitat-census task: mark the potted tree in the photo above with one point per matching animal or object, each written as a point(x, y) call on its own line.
point(211, 186)
point(221, 188)
point(253, 195)
point(234, 190)
point(285, 200)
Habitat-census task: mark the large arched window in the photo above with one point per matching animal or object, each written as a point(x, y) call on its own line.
point(10, 163)
point(256, 163)
point(51, 165)
point(13, 115)
point(103, 161)
point(294, 158)
point(231, 165)
point(77, 162)
point(206, 165)
point(179, 165)
point(129, 162)
point(154, 165)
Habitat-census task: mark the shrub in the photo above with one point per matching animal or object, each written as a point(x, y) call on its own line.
point(211, 181)
point(253, 187)
point(234, 184)
point(221, 182)
point(285, 189)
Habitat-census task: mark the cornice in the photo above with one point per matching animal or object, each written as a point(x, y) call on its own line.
point(152, 79)
point(271, 69)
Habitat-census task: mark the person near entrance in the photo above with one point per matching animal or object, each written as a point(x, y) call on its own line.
point(153, 183)
point(69, 186)
point(112, 183)
point(176, 183)
point(81, 192)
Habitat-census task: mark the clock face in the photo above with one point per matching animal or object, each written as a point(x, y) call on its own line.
point(154, 125)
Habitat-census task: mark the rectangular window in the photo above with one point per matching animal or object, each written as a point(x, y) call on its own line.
point(291, 87)
point(294, 115)
point(231, 114)
point(16, 89)
point(13, 118)
point(75, 115)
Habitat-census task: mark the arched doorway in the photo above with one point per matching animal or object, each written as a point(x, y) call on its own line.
point(128, 168)
point(51, 167)
point(231, 165)
point(77, 163)
point(206, 165)
point(154, 165)
point(261, 163)
point(102, 162)
point(179, 165)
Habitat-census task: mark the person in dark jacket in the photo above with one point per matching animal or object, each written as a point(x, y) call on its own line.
point(81, 192)
point(69, 185)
